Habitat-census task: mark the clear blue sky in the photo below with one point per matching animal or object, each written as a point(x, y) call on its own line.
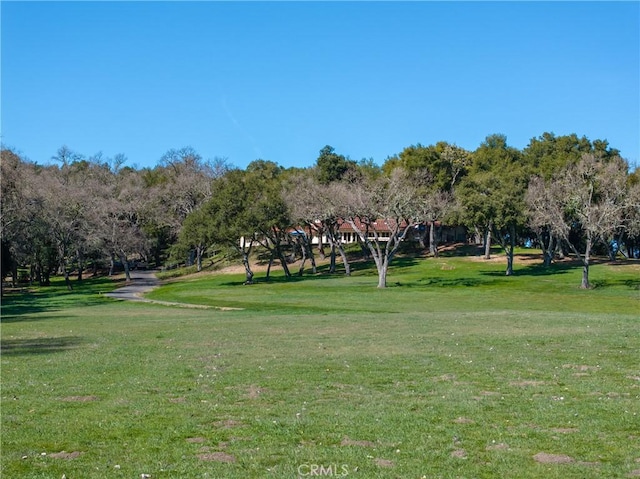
point(279, 81)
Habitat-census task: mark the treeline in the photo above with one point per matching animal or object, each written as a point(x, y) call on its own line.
point(572, 194)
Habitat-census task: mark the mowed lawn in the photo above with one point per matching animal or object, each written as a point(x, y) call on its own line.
point(453, 371)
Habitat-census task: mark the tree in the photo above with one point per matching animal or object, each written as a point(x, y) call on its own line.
point(13, 210)
point(267, 211)
point(118, 215)
point(316, 206)
point(439, 168)
point(66, 210)
point(195, 235)
point(436, 205)
point(632, 213)
point(225, 217)
point(446, 163)
point(178, 186)
point(545, 156)
point(330, 166)
point(492, 194)
point(25, 219)
point(548, 153)
point(382, 212)
point(588, 198)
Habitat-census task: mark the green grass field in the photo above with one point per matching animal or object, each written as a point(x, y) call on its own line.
point(454, 371)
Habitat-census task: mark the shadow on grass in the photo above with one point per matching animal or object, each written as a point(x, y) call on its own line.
point(605, 283)
point(18, 347)
point(322, 273)
point(279, 278)
point(16, 306)
point(535, 269)
point(359, 267)
point(460, 249)
point(449, 282)
point(26, 306)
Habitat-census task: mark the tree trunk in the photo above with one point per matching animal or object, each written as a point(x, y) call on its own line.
point(487, 244)
point(547, 241)
point(433, 246)
point(585, 276)
point(477, 237)
point(247, 268)
point(321, 243)
point(199, 251)
point(67, 280)
point(585, 266)
point(64, 270)
point(283, 262)
point(269, 265)
point(509, 271)
point(303, 250)
point(112, 264)
point(314, 268)
point(422, 238)
point(510, 246)
point(336, 243)
point(345, 261)
point(46, 277)
point(125, 263)
point(382, 273)
point(332, 259)
point(80, 265)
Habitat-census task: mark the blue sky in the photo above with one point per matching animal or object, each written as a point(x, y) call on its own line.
point(278, 81)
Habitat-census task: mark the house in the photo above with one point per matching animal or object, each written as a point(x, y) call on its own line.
point(444, 234)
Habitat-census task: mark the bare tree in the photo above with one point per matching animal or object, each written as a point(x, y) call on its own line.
point(632, 216)
point(14, 210)
point(65, 208)
point(589, 197)
point(436, 204)
point(318, 206)
point(382, 212)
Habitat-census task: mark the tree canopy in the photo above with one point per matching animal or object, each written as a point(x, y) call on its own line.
point(572, 194)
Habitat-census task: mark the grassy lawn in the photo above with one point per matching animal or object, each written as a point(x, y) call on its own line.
point(453, 371)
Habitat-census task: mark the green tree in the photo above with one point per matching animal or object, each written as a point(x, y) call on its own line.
point(330, 166)
point(247, 209)
point(195, 235)
point(438, 168)
point(492, 194)
point(446, 163)
point(267, 211)
point(226, 218)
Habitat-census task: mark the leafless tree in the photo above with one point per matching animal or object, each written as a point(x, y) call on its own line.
point(589, 196)
point(318, 206)
point(382, 212)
